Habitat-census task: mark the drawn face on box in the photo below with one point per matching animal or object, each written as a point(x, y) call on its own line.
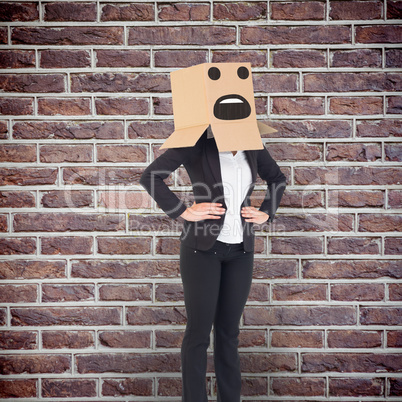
point(219, 95)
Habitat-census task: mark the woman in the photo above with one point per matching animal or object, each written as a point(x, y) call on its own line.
point(217, 251)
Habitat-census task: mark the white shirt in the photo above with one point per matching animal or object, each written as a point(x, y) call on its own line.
point(236, 179)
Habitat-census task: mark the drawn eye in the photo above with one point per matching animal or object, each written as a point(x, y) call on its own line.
point(214, 73)
point(242, 72)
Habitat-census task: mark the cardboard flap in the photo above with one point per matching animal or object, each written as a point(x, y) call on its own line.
point(234, 136)
point(184, 137)
point(264, 129)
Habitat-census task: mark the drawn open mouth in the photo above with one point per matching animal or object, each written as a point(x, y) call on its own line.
point(231, 107)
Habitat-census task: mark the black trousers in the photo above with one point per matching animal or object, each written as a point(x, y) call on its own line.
point(216, 286)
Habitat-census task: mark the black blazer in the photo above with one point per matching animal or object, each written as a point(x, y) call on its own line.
point(202, 164)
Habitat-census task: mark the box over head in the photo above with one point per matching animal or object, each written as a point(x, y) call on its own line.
point(220, 95)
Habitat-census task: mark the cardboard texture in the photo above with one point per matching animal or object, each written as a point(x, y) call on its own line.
point(219, 95)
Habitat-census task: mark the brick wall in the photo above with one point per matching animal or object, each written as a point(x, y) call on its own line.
point(91, 302)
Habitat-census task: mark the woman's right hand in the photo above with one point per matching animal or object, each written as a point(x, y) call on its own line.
point(204, 210)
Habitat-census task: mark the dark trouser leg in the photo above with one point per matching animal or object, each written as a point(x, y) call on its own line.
point(236, 277)
point(200, 272)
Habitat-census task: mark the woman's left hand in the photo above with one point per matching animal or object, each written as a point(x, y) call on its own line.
point(254, 215)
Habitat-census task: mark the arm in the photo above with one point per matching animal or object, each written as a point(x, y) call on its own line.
point(269, 171)
point(160, 169)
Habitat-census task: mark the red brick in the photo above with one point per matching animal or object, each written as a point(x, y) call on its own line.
point(395, 387)
point(68, 130)
point(355, 10)
point(393, 152)
point(357, 291)
point(95, 176)
point(302, 199)
point(297, 245)
point(298, 386)
point(18, 293)
point(355, 198)
point(351, 82)
point(169, 339)
point(121, 106)
point(68, 339)
point(17, 58)
point(168, 246)
point(297, 339)
point(17, 199)
point(27, 176)
point(282, 35)
point(122, 58)
point(183, 12)
point(275, 268)
point(253, 386)
point(66, 11)
point(67, 221)
point(67, 199)
point(150, 129)
point(354, 339)
point(3, 130)
point(125, 339)
point(68, 388)
point(136, 292)
point(395, 291)
point(394, 105)
point(3, 35)
point(31, 269)
point(353, 245)
point(268, 362)
point(356, 386)
point(170, 386)
point(35, 363)
point(128, 12)
point(379, 223)
point(124, 245)
point(350, 362)
point(353, 152)
point(68, 293)
point(380, 315)
point(44, 316)
point(65, 58)
point(379, 128)
point(356, 105)
point(19, 11)
point(240, 11)
point(155, 315)
point(154, 223)
point(17, 153)
point(18, 388)
point(378, 34)
point(66, 245)
point(257, 58)
point(128, 386)
point(358, 58)
point(394, 339)
point(347, 175)
point(298, 58)
point(287, 292)
point(393, 58)
point(127, 362)
point(272, 83)
point(182, 35)
point(65, 153)
point(119, 82)
point(14, 245)
point(298, 106)
point(66, 106)
point(169, 292)
point(310, 129)
point(32, 83)
point(298, 11)
point(179, 58)
point(16, 106)
point(295, 152)
point(394, 9)
point(121, 153)
point(76, 35)
point(315, 222)
point(162, 106)
point(300, 315)
point(124, 199)
point(393, 245)
point(395, 199)
point(259, 292)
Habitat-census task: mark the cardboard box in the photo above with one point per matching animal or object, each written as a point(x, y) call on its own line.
point(219, 95)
